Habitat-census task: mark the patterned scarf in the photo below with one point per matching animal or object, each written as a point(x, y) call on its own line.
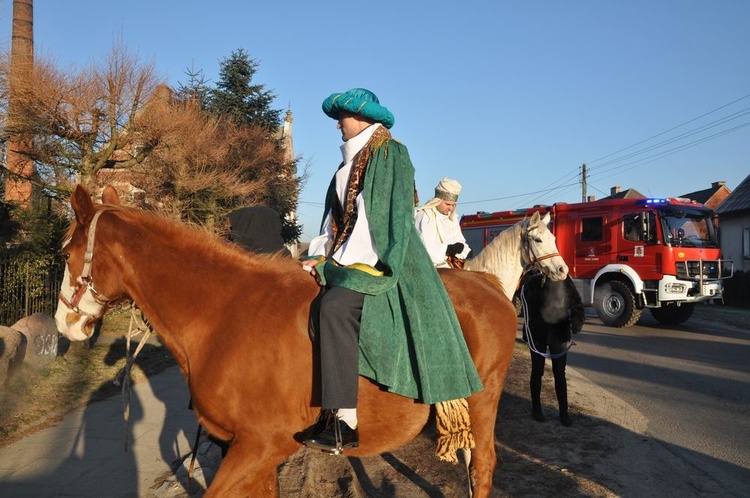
point(345, 217)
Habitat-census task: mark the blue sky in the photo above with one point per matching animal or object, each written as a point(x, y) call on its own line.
point(507, 97)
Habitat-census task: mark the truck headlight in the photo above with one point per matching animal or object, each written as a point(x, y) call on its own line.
point(675, 288)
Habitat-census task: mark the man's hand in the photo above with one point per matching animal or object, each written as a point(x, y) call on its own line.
point(454, 249)
point(309, 266)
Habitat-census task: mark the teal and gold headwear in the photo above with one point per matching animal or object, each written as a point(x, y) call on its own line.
point(358, 101)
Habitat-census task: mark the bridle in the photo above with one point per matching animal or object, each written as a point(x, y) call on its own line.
point(136, 326)
point(86, 283)
point(533, 259)
point(530, 256)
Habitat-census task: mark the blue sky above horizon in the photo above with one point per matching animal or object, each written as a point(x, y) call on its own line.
point(507, 97)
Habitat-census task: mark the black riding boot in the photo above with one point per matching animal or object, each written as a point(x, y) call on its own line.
point(535, 383)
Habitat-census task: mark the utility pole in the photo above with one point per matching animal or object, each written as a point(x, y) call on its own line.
point(584, 173)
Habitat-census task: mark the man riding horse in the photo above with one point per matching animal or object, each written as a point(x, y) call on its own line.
point(383, 311)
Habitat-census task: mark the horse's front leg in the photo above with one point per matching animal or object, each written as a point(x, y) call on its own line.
point(246, 471)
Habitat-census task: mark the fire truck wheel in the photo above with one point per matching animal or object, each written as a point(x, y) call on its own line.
point(671, 314)
point(615, 304)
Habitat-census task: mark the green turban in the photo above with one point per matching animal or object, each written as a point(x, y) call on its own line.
point(358, 101)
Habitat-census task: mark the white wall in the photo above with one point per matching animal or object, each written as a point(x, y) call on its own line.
point(731, 240)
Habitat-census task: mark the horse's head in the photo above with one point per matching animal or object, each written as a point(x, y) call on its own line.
point(81, 304)
point(540, 249)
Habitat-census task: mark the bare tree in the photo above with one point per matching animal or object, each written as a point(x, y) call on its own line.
point(81, 118)
point(116, 121)
point(204, 166)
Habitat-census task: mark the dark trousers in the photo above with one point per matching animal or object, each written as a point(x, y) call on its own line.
point(558, 371)
point(336, 321)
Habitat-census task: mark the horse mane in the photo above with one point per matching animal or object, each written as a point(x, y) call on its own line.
point(201, 239)
point(494, 256)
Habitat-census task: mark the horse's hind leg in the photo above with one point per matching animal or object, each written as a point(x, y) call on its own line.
point(243, 474)
point(483, 409)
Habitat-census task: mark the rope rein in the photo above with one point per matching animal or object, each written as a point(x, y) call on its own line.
point(137, 326)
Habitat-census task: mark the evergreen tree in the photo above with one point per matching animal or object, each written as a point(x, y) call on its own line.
point(237, 98)
point(247, 104)
point(196, 89)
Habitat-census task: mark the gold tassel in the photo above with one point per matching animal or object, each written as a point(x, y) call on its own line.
point(454, 429)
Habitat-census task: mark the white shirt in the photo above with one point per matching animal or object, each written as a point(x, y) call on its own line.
point(360, 246)
point(437, 231)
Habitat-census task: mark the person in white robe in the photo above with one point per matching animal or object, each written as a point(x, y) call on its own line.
point(438, 225)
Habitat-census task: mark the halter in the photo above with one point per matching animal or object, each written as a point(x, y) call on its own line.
point(533, 259)
point(86, 282)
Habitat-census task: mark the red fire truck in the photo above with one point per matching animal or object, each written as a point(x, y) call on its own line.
point(628, 254)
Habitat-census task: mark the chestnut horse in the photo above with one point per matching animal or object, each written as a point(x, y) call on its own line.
point(237, 324)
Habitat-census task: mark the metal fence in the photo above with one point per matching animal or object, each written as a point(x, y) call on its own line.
point(29, 283)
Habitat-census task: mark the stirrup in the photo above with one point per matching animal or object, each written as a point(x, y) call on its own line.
point(339, 449)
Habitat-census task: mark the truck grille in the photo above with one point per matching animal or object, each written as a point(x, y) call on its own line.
point(691, 270)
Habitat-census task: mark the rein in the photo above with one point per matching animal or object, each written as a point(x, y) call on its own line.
point(137, 326)
point(530, 339)
point(533, 261)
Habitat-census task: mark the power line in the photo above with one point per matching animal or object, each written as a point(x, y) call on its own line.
point(671, 129)
point(563, 188)
point(518, 195)
point(669, 152)
point(713, 124)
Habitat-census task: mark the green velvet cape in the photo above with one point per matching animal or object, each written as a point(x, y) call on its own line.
point(410, 340)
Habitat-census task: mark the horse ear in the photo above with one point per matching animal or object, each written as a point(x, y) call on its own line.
point(110, 196)
point(534, 219)
point(546, 218)
point(82, 205)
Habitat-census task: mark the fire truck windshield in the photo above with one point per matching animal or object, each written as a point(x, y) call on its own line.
point(688, 228)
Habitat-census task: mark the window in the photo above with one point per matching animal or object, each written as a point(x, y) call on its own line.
point(591, 229)
point(632, 227)
point(746, 242)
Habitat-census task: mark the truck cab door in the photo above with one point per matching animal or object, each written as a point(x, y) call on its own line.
point(593, 245)
point(636, 244)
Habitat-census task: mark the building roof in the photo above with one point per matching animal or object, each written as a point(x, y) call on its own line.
point(738, 200)
point(617, 193)
point(711, 197)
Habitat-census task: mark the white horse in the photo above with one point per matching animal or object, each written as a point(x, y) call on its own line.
point(528, 242)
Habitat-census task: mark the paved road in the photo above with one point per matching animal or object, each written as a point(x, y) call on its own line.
point(83, 456)
point(691, 382)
